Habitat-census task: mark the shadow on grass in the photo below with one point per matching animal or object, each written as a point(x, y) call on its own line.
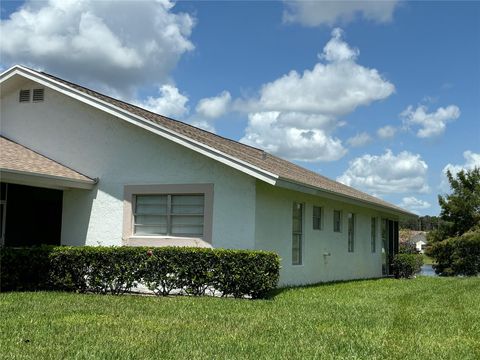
point(274, 293)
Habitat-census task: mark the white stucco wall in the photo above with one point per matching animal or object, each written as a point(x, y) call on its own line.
point(274, 233)
point(100, 145)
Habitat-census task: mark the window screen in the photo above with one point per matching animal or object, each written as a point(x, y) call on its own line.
point(172, 214)
point(337, 220)
point(317, 218)
point(297, 233)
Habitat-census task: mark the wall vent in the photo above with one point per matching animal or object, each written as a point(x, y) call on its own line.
point(24, 96)
point(38, 94)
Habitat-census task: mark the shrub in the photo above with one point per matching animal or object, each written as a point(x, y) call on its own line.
point(457, 256)
point(235, 273)
point(466, 256)
point(189, 270)
point(246, 272)
point(24, 269)
point(407, 248)
point(117, 270)
point(96, 269)
point(406, 265)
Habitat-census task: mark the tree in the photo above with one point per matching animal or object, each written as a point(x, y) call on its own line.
point(422, 223)
point(460, 210)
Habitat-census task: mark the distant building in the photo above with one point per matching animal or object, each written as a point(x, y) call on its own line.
point(420, 241)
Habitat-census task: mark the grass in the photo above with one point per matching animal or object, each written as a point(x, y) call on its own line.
point(428, 260)
point(425, 318)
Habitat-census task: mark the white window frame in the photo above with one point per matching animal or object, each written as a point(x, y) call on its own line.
point(302, 234)
point(314, 217)
point(373, 234)
point(130, 194)
point(340, 222)
point(169, 214)
point(351, 238)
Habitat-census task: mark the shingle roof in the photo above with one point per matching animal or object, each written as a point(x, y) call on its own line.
point(18, 158)
point(256, 157)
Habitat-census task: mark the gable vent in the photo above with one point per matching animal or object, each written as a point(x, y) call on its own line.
point(38, 94)
point(24, 96)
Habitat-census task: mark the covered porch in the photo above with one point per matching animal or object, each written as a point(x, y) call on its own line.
point(31, 195)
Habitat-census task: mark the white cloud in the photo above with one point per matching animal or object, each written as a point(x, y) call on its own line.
point(170, 103)
point(338, 50)
point(336, 87)
point(214, 107)
point(387, 173)
point(303, 110)
point(291, 142)
point(360, 139)
point(472, 160)
point(315, 13)
point(413, 204)
point(386, 132)
point(431, 124)
point(115, 46)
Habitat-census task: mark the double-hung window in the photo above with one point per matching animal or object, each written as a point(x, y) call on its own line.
point(297, 233)
point(317, 218)
point(169, 215)
point(373, 230)
point(337, 221)
point(351, 232)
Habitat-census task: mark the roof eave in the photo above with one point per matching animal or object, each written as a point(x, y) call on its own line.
point(44, 180)
point(313, 190)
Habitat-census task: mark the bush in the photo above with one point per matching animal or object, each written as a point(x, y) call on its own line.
point(235, 273)
point(25, 269)
point(99, 270)
point(457, 256)
point(117, 270)
point(406, 265)
point(408, 248)
point(252, 273)
point(189, 270)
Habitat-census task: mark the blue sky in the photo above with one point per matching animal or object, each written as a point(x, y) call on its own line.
point(384, 95)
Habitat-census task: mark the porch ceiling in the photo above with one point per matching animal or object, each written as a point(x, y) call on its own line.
point(21, 165)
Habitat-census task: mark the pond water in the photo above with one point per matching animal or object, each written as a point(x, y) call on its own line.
point(427, 270)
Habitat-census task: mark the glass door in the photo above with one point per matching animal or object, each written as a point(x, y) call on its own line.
point(390, 241)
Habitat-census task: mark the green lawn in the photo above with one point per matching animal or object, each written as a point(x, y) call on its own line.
point(425, 318)
point(428, 260)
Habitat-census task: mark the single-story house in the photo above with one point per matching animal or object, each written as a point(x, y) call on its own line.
point(420, 241)
point(81, 168)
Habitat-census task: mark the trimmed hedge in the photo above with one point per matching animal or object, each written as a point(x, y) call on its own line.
point(457, 256)
point(406, 265)
point(25, 269)
point(116, 270)
point(99, 270)
point(195, 271)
